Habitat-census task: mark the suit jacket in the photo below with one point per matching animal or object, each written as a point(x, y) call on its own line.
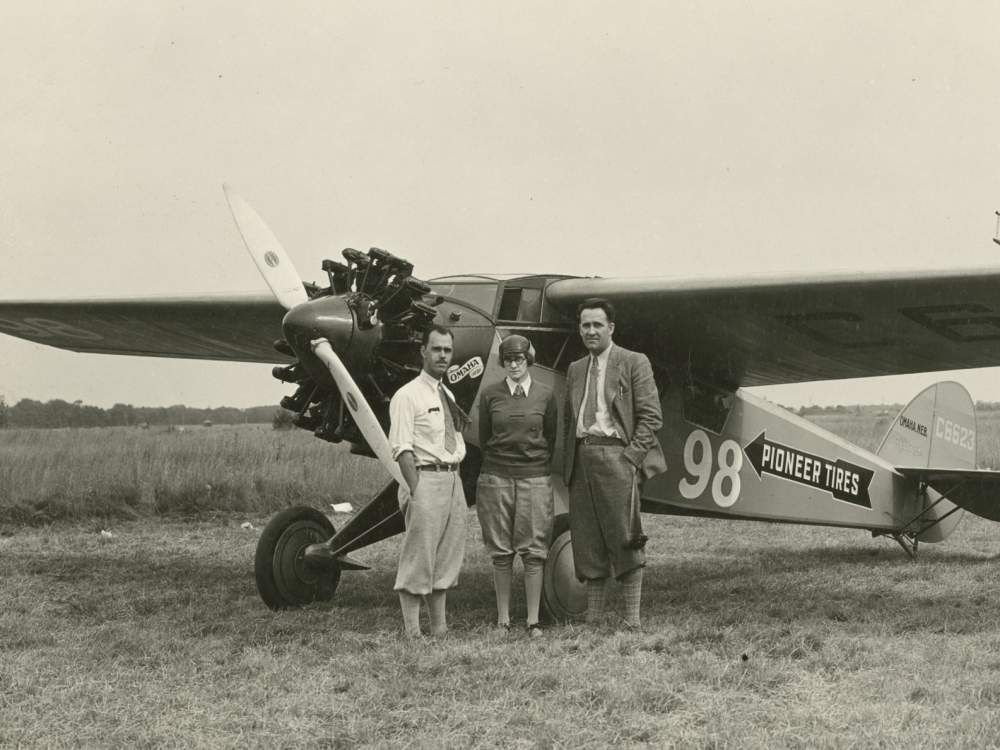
point(633, 403)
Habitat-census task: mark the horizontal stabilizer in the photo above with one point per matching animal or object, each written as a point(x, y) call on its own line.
point(975, 490)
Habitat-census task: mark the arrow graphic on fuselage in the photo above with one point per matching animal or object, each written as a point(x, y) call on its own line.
point(842, 479)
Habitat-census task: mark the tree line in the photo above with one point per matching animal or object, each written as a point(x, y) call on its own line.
point(59, 413)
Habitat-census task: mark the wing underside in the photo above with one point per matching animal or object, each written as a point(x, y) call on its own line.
point(239, 328)
point(766, 331)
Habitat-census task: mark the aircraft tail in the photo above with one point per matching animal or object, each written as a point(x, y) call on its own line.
point(933, 434)
point(936, 429)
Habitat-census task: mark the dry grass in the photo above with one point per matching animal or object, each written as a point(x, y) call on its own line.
point(755, 635)
point(127, 472)
point(865, 430)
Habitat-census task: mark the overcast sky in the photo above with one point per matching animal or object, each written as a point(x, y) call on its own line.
point(585, 138)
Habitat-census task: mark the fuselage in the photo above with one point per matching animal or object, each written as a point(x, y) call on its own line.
point(730, 454)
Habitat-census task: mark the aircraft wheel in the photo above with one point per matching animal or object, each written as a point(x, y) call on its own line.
point(563, 597)
point(284, 579)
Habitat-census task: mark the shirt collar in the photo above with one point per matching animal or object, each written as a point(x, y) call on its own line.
point(525, 384)
point(429, 380)
point(602, 358)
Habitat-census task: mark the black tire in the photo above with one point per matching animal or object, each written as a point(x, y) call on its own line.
point(284, 580)
point(564, 598)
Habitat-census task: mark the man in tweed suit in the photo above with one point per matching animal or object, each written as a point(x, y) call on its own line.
point(612, 415)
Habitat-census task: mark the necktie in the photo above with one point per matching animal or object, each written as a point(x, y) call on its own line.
point(519, 391)
point(590, 408)
point(449, 421)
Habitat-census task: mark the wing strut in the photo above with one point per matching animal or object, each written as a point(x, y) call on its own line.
point(907, 539)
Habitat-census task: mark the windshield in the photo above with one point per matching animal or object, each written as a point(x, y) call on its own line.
point(481, 294)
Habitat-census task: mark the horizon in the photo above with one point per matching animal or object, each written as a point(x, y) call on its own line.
point(788, 407)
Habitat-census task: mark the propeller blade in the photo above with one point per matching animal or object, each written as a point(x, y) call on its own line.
point(362, 413)
point(271, 259)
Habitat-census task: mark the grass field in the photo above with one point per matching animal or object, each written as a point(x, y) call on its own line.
point(755, 635)
point(127, 472)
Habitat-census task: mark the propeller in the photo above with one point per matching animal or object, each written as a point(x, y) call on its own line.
point(270, 258)
point(280, 275)
point(363, 415)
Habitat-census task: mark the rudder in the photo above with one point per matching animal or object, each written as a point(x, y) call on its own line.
point(936, 429)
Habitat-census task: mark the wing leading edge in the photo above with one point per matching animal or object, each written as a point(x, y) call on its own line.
point(231, 327)
point(754, 331)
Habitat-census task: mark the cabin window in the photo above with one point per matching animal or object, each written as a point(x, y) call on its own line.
point(521, 304)
point(478, 294)
point(548, 344)
point(573, 350)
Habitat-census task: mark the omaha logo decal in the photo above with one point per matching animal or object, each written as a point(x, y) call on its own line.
point(844, 480)
point(473, 368)
point(913, 425)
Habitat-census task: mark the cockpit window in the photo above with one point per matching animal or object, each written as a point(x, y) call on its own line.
point(523, 305)
point(481, 294)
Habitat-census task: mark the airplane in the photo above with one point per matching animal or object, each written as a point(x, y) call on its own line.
point(348, 344)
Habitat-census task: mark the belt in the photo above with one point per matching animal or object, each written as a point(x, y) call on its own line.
point(599, 440)
point(437, 467)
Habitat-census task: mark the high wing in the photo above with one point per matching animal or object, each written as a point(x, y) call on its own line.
point(233, 327)
point(752, 331)
point(732, 332)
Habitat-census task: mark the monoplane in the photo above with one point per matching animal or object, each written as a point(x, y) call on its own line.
point(347, 344)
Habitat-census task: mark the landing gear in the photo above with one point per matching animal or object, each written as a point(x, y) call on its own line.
point(908, 542)
point(563, 597)
point(284, 579)
point(906, 539)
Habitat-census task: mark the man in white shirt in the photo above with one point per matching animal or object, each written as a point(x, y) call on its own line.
point(426, 440)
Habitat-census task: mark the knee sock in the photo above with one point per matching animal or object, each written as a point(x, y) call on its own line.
point(501, 585)
point(596, 588)
point(632, 594)
point(533, 586)
point(436, 608)
point(410, 604)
